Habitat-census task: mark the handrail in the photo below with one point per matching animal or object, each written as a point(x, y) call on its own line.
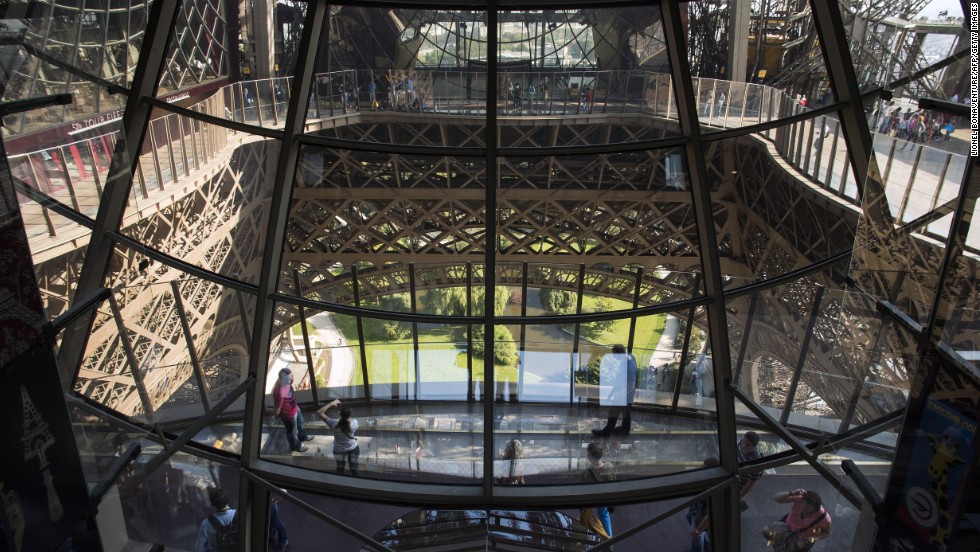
point(180, 143)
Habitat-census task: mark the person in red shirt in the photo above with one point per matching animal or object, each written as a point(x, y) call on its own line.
point(284, 397)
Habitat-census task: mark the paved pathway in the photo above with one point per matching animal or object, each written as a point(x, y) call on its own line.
point(340, 358)
point(332, 357)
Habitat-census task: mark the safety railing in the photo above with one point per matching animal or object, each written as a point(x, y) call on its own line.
point(177, 147)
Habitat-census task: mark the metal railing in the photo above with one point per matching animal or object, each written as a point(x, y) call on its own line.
point(177, 147)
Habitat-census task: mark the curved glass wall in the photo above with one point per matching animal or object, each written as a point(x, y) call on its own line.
point(450, 222)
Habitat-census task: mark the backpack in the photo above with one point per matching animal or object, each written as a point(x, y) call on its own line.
point(225, 536)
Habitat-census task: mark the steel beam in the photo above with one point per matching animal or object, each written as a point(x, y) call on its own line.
point(306, 340)
point(317, 19)
point(134, 365)
point(738, 40)
point(270, 487)
point(196, 427)
point(317, 15)
point(955, 245)
point(202, 384)
point(725, 520)
point(843, 81)
point(490, 246)
point(112, 206)
point(798, 446)
point(801, 360)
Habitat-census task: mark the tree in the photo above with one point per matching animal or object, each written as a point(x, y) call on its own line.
point(452, 301)
point(562, 301)
point(501, 296)
point(593, 330)
point(393, 330)
point(504, 348)
point(558, 301)
point(445, 301)
point(591, 372)
point(697, 337)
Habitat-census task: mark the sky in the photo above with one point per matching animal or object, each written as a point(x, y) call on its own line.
point(954, 8)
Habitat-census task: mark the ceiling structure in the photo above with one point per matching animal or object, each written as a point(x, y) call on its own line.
point(769, 233)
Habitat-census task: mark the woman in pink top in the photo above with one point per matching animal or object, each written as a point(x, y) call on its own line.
point(284, 398)
point(806, 523)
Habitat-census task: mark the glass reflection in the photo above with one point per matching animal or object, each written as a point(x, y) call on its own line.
point(446, 371)
point(429, 529)
point(178, 150)
point(360, 220)
point(865, 375)
point(803, 489)
point(166, 507)
point(392, 368)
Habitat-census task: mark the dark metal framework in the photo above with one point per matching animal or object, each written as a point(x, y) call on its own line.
point(91, 50)
point(700, 235)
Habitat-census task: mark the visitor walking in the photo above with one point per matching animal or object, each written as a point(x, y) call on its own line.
point(218, 531)
point(619, 370)
point(599, 471)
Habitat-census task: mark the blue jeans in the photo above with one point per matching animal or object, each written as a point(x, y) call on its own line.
point(277, 531)
point(295, 433)
point(700, 542)
point(602, 512)
point(350, 457)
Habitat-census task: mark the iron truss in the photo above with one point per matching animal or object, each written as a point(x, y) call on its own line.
point(392, 212)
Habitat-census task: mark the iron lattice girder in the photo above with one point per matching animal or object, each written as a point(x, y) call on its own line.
point(384, 127)
point(194, 228)
point(535, 223)
point(784, 222)
point(383, 280)
point(758, 194)
point(571, 206)
point(842, 356)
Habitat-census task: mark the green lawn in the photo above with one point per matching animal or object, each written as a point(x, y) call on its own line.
point(297, 329)
point(442, 360)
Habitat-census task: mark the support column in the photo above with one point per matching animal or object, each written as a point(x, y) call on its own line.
point(725, 519)
point(738, 39)
point(202, 384)
point(956, 77)
point(946, 302)
point(254, 499)
point(263, 39)
point(912, 53)
point(278, 213)
point(490, 263)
